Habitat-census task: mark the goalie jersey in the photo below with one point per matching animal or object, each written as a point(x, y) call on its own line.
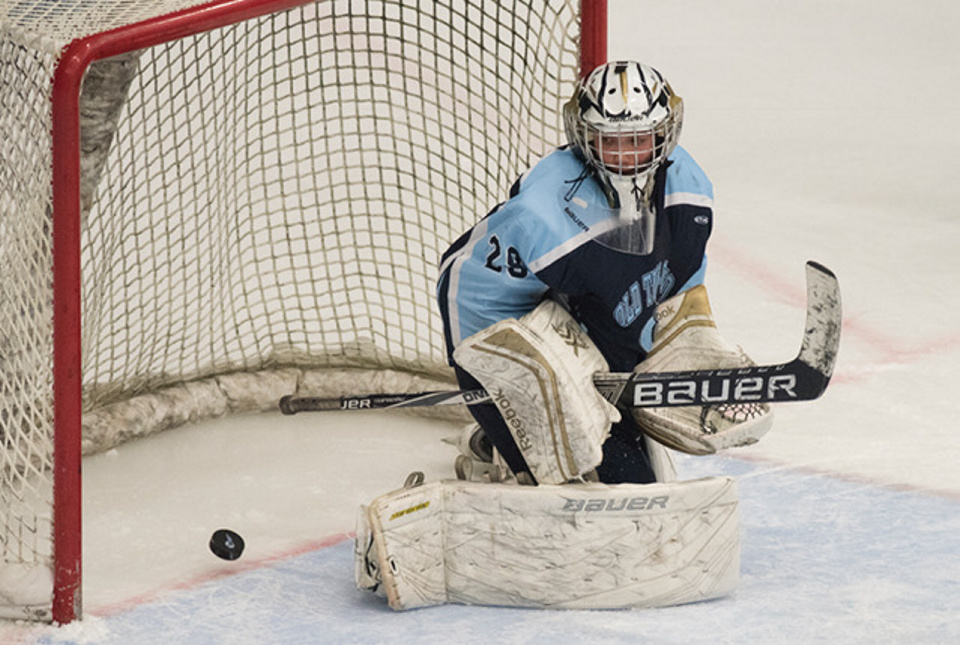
point(556, 236)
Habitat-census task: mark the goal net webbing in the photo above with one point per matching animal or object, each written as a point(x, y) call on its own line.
point(263, 207)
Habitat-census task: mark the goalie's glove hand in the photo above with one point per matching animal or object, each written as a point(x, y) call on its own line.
point(686, 338)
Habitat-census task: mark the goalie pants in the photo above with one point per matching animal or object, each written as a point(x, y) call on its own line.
point(625, 459)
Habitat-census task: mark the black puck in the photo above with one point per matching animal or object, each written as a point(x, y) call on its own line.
point(226, 544)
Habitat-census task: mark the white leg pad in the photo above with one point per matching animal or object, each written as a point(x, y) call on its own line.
point(660, 461)
point(578, 546)
point(539, 373)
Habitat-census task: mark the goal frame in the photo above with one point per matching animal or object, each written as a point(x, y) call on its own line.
point(67, 368)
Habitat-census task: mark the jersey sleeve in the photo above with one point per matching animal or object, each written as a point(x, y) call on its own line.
point(686, 183)
point(484, 278)
point(688, 201)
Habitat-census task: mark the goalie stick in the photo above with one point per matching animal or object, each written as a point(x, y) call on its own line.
point(803, 379)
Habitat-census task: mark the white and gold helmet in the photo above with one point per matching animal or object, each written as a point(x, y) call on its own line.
point(625, 120)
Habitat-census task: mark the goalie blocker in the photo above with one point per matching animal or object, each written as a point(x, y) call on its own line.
point(551, 546)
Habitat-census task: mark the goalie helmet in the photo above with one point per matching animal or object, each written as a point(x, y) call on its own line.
point(625, 120)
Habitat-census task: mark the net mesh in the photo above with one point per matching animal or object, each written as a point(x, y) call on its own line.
point(263, 207)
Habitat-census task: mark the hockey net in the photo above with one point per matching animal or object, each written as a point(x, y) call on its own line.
point(262, 206)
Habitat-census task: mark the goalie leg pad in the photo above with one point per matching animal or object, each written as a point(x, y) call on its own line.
point(578, 546)
point(399, 547)
point(538, 371)
point(660, 461)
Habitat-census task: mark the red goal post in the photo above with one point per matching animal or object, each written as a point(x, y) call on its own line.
point(472, 92)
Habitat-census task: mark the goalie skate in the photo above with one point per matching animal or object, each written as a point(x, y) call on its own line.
point(472, 442)
point(476, 463)
point(495, 472)
point(475, 470)
point(479, 461)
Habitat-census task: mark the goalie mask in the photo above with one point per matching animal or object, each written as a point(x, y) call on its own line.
point(625, 120)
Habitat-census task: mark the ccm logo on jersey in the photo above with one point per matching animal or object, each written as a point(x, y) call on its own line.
point(730, 389)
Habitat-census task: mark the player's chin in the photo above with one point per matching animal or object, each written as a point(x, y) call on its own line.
point(625, 169)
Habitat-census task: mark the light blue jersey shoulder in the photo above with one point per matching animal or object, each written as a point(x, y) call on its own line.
point(686, 182)
point(557, 204)
point(547, 186)
point(489, 278)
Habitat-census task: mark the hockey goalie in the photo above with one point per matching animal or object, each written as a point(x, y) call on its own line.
point(595, 263)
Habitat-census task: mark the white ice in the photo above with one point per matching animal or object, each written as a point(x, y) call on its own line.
point(831, 132)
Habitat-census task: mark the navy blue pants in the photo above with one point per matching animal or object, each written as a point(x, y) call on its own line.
point(625, 458)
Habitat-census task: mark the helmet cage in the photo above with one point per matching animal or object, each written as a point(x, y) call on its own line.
point(624, 119)
point(624, 149)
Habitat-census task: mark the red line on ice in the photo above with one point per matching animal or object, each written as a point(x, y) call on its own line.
point(226, 571)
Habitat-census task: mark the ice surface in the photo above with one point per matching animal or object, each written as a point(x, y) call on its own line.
point(830, 131)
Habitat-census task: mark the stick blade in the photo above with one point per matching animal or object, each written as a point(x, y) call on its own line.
point(821, 334)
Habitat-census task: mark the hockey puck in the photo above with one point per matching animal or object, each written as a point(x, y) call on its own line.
point(226, 544)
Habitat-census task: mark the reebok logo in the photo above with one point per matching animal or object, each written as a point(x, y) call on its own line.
point(513, 420)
